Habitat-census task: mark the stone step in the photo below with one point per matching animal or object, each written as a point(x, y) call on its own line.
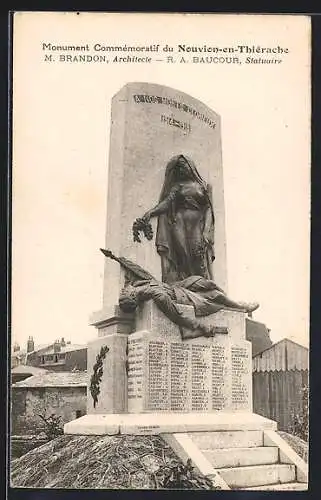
point(258, 475)
point(276, 487)
point(227, 439)
point(240, 457)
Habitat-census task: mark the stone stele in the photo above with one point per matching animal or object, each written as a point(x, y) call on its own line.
point(150, 124)
point(155, 371)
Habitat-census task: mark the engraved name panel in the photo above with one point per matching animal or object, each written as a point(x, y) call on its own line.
point(158, 358)
point(135, 363)
point(240, 377)
point(180, 376)
point(201, 377)
point(219, 377)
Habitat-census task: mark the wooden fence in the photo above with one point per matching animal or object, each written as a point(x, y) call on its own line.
point(278, 394)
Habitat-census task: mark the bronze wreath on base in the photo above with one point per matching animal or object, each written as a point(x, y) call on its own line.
point(96, 377)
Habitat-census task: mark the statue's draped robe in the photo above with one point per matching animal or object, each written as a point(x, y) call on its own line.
point(172, 259)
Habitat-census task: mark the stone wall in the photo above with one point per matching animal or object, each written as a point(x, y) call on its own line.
point(76, 359)
point(33, 359)
point(27, 403)
point(20, 445)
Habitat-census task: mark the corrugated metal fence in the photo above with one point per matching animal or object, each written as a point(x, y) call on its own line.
point(278, 394)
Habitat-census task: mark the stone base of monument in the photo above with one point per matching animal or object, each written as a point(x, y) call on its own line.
point(162, 423)
point(154, 370)
point(239, 450)
point(107, 374)
point(143, 379)
point(151, 381)
point(112, 320)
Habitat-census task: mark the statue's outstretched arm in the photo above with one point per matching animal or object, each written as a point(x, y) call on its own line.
point(159, 209)
point(163, 206)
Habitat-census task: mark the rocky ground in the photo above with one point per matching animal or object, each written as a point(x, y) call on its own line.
point(113, 462)
point(108, 462)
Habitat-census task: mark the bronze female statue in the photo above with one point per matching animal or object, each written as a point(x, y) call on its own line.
point(185, 229)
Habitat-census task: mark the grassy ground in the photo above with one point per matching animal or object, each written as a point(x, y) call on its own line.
point(134, 462)
point(299, 446)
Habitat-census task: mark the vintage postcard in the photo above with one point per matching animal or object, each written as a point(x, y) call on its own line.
point(160, 251)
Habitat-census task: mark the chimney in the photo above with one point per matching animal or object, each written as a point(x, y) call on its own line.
point(63, 342)
point(57, 346)
point(16, 347)
point(30, 344)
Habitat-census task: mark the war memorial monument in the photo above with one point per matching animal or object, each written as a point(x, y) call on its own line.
point(171, 355)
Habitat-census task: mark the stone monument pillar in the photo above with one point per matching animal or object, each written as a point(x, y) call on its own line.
point(139, 363)
point(150, 124)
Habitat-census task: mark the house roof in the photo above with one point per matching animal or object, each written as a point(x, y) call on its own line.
point(304, 342)
point(49, 348)
point(55, 379)
point(286, 339)
point(33, 370)
point(39, 347)
point(258, 334)
point(66, 348)
point(285, 355)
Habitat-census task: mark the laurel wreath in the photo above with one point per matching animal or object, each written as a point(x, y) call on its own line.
point(98, 371)
point(141, 225)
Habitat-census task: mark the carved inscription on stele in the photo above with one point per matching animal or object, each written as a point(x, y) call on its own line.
point(135, 369)
point(241, 377)
point(170, 376)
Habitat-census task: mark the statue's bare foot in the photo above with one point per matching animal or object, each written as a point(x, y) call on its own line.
point(247, 307)
point(252, 306)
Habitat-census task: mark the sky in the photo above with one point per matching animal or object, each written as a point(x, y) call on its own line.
point(61, 125)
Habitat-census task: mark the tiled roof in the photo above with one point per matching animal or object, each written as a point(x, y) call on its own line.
point(33, 370)
point(55, 379)
point(67, 348)
point(39, 347)
point(49, 348)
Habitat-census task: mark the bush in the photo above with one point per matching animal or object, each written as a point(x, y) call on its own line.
point(53, 426)
point(300, 420)
point(180, 476)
